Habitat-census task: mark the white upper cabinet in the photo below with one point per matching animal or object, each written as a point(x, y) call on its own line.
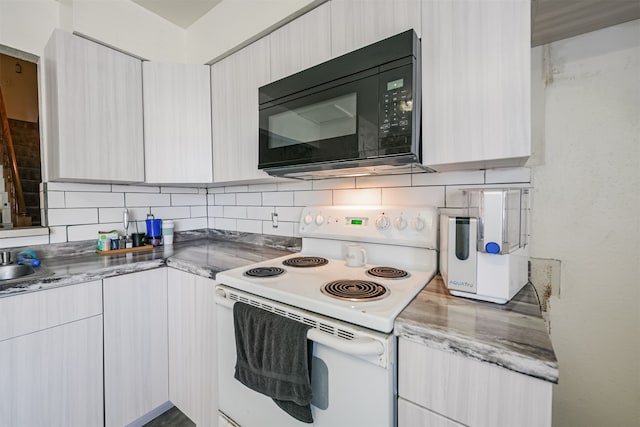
point(234, 108)
point(476, 83)
point(358, 23)
point(177, 123)
point(94, 111)
point(302, 43)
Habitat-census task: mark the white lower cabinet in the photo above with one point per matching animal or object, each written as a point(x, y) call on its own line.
point(192, 347)
point(438, 388)
point(51, 358)
point(135, 345)
point(410, 414)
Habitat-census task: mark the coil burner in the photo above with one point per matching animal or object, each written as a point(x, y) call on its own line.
point(387, 272)
point(355, 290)
point(264, 272)
point(305, 261)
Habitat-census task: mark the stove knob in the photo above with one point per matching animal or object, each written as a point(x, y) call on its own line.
point(418, 223)
point(400, 223)
point(319, 220)
point(382, 222)
point(308, 219)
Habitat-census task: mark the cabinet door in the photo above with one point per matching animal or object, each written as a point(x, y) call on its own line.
point(53, 377)
point(358, 23)
point(234, 103)
point(177, 123)
point(476, 83)
point(302, 43)
point(470, 392)
point(94, 107)
point(192, 346)
point(410, 414)
point(135, 345)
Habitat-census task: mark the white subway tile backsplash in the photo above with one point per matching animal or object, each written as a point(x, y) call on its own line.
point(456, 198)
point(183, 190)
point(135, 188)
point(83, 199)
point(235, 212)
point(383, 181)
point(72, 216)
point(288, 213)
point(198, 211)
point(294, 185)
point(334, 183)
point(147, 199)
point(283, 229)
point(137, 214)
point(215, 211)
point(507, 175)
point(171, 212)
point(77, 211)
point(58, 234)
point(188, 199)
point(225, 199)
point(262, 212)
point(448, 178)
point(365, 196)
point(236, 189)
point(111, 214)
point(249, 199)
point(225, 224)
point(308, 198)
point(190, 224)
point(413, 196)
point(263, 187)
point(277, 198)
point(249, 226)
point(89, 232)
point(72, 186)
point(55, 199)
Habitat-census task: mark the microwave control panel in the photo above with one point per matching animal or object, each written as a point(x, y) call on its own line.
point(396, 107)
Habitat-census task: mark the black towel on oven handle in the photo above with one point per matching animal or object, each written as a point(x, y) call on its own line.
point(274, 358)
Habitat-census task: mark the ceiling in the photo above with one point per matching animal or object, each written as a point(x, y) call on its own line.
point(551, 20)
point(183, 13)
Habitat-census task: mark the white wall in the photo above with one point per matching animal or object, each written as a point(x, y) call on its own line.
point(27, 24)
point(586, 207)
point(232, 22)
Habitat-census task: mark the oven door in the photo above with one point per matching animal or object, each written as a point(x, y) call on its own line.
point(350, 387)
point(337, 121)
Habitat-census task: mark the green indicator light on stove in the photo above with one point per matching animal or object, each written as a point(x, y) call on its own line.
point(356, 222)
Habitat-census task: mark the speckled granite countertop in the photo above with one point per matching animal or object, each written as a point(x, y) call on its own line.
point(204, 257)
point(513, 335)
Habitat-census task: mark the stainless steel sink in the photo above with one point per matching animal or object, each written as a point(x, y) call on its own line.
point(14, 271)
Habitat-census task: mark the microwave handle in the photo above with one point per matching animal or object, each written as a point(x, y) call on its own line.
point(356, 346)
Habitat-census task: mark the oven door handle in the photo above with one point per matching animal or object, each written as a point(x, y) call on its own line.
point(358, 346)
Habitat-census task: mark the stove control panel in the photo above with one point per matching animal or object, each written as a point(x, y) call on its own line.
point(410, 226)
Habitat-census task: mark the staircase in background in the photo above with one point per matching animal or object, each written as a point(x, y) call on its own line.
point(11, 175)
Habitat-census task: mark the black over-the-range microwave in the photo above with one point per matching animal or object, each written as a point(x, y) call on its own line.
point(357, 113)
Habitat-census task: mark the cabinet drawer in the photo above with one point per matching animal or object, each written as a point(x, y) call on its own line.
point(471, 392)
point(410, 414)
point(34, 311)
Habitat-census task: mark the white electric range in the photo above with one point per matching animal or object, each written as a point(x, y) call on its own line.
point(351, 305)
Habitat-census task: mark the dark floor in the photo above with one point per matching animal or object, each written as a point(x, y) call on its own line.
point(172, 418)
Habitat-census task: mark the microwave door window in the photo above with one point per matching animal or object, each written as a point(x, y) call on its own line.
point(323, 125)
point(310, 124)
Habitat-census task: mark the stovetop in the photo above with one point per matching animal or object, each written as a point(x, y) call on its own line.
point(409, 249)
